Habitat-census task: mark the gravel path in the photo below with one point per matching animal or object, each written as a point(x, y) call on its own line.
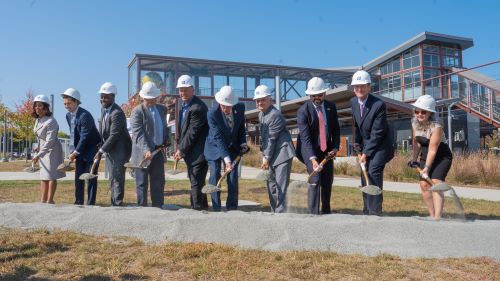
point(367, 235)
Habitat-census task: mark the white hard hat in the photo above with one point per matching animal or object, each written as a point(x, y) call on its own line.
point(185, 81)
point(426, 102)
point(42, 98)
point(316, 86)
point(149, 91)
point(261, 91)
point(71, 92)
point(225, 96)
point(108, 88)
point(361, 77)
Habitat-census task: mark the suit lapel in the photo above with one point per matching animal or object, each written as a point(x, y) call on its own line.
point(148, 118)
point(368, 105)
point(314, 115)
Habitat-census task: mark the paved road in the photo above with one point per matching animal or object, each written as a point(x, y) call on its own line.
point(250, 173)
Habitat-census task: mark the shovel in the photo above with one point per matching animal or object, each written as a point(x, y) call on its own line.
point(91, 175)
point(263, 175)
point(209, 188)
point(65, 166)
point(434, 187)
point(144, 164)
point(32, 168)
point(368, 189)
point(304, 184)
point(174, 171)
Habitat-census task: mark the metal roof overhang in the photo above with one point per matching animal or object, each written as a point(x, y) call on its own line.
point(341, 96)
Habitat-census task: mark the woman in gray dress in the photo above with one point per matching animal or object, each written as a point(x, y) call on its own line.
point(49, 152)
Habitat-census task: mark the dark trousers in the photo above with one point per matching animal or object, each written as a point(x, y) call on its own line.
point(197, 174)
point(232, 186)
point(153, 176)
point(116, 180)
point(372, 204)
point(320, 188)
point(81, 167)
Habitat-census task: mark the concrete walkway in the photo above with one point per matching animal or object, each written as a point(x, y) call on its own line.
point(251, 173)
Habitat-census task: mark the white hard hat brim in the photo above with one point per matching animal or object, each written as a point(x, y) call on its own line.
point(219, 100)
point(184, 86)
point(354, 83)
point(317, 92)
point(256, 97)
point(149, 96)
point(424, 108)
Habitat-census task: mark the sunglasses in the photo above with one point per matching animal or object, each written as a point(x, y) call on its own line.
point(423, 112)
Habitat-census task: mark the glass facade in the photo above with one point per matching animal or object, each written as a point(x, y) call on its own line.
point(412, 85)
point(411, 58)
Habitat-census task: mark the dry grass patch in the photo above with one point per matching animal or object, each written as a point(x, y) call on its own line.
point(63, 255)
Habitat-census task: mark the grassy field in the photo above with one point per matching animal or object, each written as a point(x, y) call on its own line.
point(63, 255)
point(45, 255)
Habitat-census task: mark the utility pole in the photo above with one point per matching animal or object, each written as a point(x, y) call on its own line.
point(4, 144)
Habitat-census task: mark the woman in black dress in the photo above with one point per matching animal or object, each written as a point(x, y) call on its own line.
point(430, 145)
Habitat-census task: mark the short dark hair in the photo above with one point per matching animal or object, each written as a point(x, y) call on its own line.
point(45, 105)
point(71, 98)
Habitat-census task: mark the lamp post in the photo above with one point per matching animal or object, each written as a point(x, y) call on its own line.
point(4, 141)
point(449, 103)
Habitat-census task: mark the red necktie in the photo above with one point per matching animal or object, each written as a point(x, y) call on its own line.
point(322, 133)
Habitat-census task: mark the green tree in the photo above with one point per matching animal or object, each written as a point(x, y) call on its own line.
point(23, 121)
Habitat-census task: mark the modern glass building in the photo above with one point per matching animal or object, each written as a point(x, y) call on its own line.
point(428, 63)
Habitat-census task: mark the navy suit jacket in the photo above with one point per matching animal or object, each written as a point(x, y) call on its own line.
point(222, 141)
point(308, 139)
point(86, 135)
point(190, 137)
point(372, 130)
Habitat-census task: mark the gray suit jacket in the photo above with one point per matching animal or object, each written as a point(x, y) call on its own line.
point(276, 140)
point(142, 127)
point(114, 134)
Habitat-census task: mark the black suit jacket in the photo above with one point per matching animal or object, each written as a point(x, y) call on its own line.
point(372, 130)
point(116, 139)
point(308, 139)
point(191, 135)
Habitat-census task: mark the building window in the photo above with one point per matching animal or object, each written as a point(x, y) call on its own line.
point(391, 87)
point(432, 85)
point(204, 86)
point(411, 58)
point(413, 88)
point(390, 67)
point(451, 57)
point(431, 60)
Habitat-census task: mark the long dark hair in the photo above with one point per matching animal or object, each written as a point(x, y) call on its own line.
point(45, 106)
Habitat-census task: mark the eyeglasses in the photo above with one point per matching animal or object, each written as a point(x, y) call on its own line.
point(260, 100)
point(423, 112)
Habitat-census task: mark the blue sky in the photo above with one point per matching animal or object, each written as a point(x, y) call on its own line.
point(48, 46)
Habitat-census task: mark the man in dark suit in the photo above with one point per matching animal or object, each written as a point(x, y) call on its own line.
point(148, 123)
point(191, 131)
point(373, 136)
point(84, 139)
point(226, 140)
point(277, 148)
point(116, 142)
point(319, 134)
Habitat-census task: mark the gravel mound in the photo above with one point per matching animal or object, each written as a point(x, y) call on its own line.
point(349, 234)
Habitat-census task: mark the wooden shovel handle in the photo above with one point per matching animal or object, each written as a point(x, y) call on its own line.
point(94, 163)
point(428, 180)
point(363, 168)
point(328, 157)
point(224, 175)
point(152, 155)
point(175, 164)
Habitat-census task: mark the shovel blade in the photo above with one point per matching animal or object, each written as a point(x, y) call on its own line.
point(263, 176)
point(132, 166)
point(207, 189)
point(298, 184)
point(440, 187)
point(173, 172)
point(64, 167)
point(87, 176)
point(30, 169)
point(371, 190)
